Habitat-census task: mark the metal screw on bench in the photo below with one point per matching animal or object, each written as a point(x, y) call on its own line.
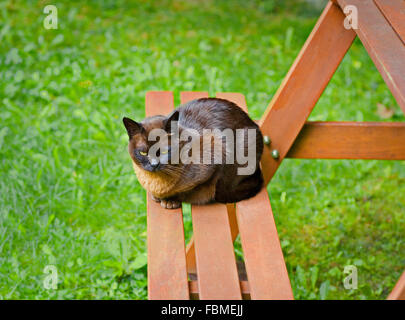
point(275, 154)
point(266, 140)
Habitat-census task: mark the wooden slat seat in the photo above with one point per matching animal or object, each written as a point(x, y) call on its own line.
point(217, 274)
point(213, 244)
point(208, 268)
point(266, 270)
point(167, 272)
point(265, 266)
point(210, 253)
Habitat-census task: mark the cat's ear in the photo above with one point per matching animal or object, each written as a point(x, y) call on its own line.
point(171, 120)
point(132, 127)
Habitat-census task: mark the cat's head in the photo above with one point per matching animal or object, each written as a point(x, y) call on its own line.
point(148, 153)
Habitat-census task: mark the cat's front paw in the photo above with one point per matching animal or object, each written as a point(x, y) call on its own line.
point(170, 204)
point(155, 198)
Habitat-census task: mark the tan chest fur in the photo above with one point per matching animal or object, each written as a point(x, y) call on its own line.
point(160, 186)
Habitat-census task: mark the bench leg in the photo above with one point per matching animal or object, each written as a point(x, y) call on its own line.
point(398, 293)
point(303, 85)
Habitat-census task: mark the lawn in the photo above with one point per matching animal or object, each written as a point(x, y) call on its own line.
point(69, 197)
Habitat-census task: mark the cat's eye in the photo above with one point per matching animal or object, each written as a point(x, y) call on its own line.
point(143, 153)
point(164, 152)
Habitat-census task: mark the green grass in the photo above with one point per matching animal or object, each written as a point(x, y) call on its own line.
point(69, 196)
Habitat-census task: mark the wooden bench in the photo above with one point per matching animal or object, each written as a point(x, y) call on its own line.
point(210, 255)
point(207, 268)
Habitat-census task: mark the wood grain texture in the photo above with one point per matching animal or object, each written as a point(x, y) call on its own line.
point(265, 266)
point(167, 273)
point(303, 85)
point(398, 293)
point(210, 251)
point(240, 100)
point(158, 102)
point(190, 257)
point(383, 44)
point(233, 223)
point(271, 288)
point(235, 97)
point(394, 12)
point(186, 96)
point(275, 268)
point(217, 274)
point(350, 140)
point(261, 246)
point(244, 285)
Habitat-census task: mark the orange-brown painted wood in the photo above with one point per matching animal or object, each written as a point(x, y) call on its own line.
point(217, 274)
point(158, 102)
point(303, 85)
point(186, 96)
point(190, 257)
point(265, 266)
point(239, 99)
point(285, 117)
point(190, 249)
point(383, 44)
point(235, 97)
point(167, 273)
point(350, 140)
point(258, 244)
point(233, 223)
point(244, 285)
point(394, 12)
point(248, 242)
point(398, 293)
point(210, 251)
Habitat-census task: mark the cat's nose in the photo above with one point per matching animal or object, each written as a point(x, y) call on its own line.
point(154, 163)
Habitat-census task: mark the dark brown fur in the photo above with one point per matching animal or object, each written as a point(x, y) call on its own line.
point(172, 184)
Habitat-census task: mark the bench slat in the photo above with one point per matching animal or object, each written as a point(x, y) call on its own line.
point(244, 285)
point(267, 273)
point(212, 245)
point(167, 274)
point(235, 97)
point(265, 266)
point(267, 270)
point(217, 274)
point(186, 96)
point(239, 99)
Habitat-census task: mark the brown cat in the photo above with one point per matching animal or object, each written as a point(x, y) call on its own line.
point(200, 156)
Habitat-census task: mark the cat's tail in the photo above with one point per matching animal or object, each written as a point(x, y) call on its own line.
point(252, 185)
point(247, 188)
